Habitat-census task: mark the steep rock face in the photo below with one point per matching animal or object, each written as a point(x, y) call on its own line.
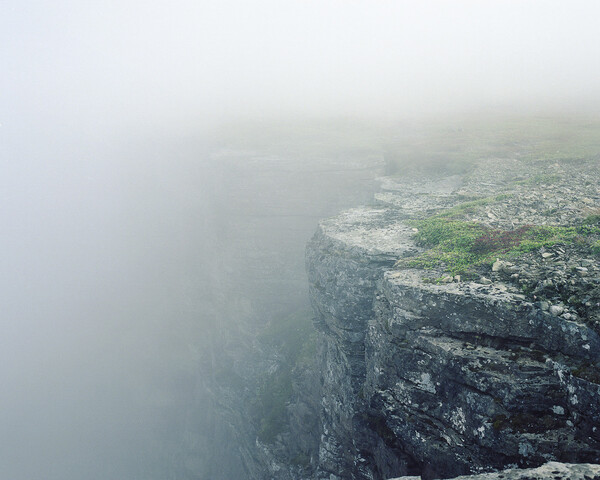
point(467, 376)
point(439, 380)
point(345, 259)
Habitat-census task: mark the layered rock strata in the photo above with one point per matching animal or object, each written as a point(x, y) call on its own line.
point(439, 380)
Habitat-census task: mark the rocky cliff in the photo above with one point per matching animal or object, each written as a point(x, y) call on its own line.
point(458, 324)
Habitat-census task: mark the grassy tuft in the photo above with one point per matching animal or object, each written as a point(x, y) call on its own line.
point(458, 247)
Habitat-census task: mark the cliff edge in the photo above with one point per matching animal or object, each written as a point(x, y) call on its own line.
point(458, 324)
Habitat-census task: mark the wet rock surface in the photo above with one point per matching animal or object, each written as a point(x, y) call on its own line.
point(456, 377)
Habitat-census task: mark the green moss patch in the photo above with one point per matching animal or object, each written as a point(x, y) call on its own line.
point(458, 247)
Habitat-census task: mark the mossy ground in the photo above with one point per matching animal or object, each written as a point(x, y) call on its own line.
point(461, 247)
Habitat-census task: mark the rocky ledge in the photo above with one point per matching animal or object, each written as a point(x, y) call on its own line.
point(458, 325)
point(551, 470)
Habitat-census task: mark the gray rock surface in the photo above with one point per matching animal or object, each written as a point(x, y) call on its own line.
point(469, 376)
point(344, 260)
point(551, 470)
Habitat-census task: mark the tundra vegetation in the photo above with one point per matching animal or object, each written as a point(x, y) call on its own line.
point(455, 241)
point(458, 247)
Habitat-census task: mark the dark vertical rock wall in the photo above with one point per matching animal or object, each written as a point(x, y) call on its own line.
point(342, 278)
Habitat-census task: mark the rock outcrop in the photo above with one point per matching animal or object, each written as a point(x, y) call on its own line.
point(551, 470)
point(345, 260)
point(442, 377)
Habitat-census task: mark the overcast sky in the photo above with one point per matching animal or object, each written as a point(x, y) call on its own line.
point(112, 64)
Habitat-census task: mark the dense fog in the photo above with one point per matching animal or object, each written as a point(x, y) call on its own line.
point(142, 217)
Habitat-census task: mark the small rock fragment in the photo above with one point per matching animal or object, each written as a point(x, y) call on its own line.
point(502, 266)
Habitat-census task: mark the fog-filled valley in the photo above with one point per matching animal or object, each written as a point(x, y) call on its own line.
point(163, 168)
point(125, 279)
